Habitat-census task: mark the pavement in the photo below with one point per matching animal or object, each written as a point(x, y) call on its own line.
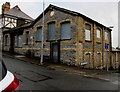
point(104, 75)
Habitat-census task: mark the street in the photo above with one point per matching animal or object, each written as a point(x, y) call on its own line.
point(33, 77)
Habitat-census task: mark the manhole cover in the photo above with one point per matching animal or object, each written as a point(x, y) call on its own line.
point(33, 76)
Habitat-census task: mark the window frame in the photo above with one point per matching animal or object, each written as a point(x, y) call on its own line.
point(89, 40)
point(106, 35)
point(98, 36)
point(54, 30)
point(37, 32)
point(70, 34)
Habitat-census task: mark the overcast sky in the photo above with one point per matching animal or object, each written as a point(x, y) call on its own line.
point(103, 11)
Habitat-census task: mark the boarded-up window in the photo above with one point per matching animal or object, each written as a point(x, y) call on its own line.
point(19, 41)
point(98, 33)
point(51, 31)
point(39, 34)
point(106, 35)
point(88, 57)
point(65, 30)
point(87, 32)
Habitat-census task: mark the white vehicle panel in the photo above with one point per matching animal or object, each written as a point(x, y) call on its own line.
point(6, 81)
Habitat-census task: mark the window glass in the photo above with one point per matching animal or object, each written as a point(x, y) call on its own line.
point(106, 35)
point(51, 31)
point(65, 30)
point(98, 33)
point(87, 32)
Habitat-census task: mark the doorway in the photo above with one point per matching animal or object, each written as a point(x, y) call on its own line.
point(55, 51)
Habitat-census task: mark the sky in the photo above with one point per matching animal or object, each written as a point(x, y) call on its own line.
point(102, 11)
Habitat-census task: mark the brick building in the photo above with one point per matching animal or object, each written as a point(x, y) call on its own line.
point(69, 37)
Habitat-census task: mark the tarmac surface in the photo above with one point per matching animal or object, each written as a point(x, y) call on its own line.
point(110, 76)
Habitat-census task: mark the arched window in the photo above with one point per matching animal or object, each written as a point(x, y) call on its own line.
point(98, 31)
point(87, 32)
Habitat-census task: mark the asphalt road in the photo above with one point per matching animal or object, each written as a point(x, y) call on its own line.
point(33, 77)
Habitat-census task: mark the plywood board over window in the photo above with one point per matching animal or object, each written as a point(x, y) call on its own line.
point(39, 34)
point(51, 31)
point(65, 31)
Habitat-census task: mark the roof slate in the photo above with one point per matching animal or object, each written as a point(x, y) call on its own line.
point(15, 11)
point(67, 11)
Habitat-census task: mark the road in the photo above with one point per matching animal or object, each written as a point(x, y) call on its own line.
point(33, 77)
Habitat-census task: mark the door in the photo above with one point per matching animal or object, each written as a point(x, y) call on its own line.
point(55, 52)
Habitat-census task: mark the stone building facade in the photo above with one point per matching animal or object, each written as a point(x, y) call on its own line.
point(69, 38)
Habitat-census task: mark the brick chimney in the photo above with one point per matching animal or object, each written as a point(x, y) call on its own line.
point(5, 7)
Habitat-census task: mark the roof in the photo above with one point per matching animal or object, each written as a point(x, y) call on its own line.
point(67, 11)
point(15, 11)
